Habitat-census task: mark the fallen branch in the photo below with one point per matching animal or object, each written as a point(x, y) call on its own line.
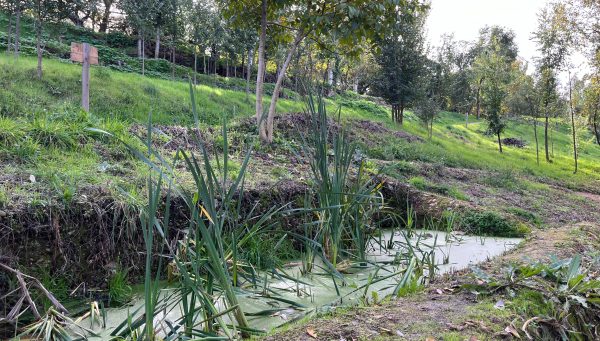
point(26, 295)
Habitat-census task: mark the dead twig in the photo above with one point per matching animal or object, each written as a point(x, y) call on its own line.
point(26, 295)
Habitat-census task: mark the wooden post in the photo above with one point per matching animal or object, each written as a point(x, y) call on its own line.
point(87, 55)
point(85, 78)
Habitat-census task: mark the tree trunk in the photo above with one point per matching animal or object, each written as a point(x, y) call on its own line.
point(139, 47)
point(552, 138)
point(249, 72)
point(38, 45)
point(478, 100)
point(401, 114)
point(9, 33)
point(226, 67)
point(17, 40)
point(204, 62)
point(573, 123)
point(355, 85)
point(157, 47)
point(279, 82)
point(467, 119)
point(105, 16)
point(261, 70)
point(537, 147)
point(595, 123)
point(499, 142)
point(173, 60)
point(430, 129)
point(143, 56)
point(195, 66)
point(329, 80)
point(546, 142)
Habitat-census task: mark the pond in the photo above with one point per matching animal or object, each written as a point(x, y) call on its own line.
point(318, 291)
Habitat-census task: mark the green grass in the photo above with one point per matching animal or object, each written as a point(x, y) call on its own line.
point(458, 146)
point(43, 132)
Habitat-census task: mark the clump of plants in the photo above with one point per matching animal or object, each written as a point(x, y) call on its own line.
point(490, 223)
point(422, 184)
point(558, 300)
point(526, 215)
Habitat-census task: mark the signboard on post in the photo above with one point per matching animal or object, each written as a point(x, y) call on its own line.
point(87, 55)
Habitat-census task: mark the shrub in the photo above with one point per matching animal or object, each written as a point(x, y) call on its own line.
point(51, 133)
point(418, 182)
point(10, 132)
point(526, 215)
point(492, 224)
point(119, 290)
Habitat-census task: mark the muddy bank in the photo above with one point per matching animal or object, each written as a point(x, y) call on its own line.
point(86, 240)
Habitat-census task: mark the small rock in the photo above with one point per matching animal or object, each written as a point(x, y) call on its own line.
point(32, 178)
point(2, 213)
point(499, 304)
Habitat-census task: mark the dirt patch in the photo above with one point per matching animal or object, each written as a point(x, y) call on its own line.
point(408, 137)
point(407, 318)
point(514, 142)
point(174, 137)
point(561, 243)
point(593, 197)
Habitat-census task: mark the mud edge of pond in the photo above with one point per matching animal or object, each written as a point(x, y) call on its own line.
point(96, 233)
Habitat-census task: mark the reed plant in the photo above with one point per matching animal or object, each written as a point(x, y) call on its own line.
point(345, 199)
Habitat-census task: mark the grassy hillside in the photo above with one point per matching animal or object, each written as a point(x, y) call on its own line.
point(471, 148)
point(47, 128)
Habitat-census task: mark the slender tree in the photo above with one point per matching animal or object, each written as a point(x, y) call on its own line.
point(401, 62)
point(554, 38)
point(293, 21)
point(496, 75)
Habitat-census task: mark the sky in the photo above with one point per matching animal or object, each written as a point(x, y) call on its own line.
point(464, 18)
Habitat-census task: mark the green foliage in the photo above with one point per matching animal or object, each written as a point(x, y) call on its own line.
point(559, 299)
point(51, 134)
point(422, 184)
point(269, 251)
point(346, 206)
point(527, 215)
point(119, 290)
point(402, 60)
point(418, 182)
point(489, 223)
point(503, 179)
point(11, 132)
point(3, 197)
point(362, 105)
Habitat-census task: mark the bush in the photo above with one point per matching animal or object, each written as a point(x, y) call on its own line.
point(492, 224)
point(418, 182)
point(10, 132)
point(526, 215)
point(51, 134)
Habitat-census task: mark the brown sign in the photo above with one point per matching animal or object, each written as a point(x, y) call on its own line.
point(77, 54)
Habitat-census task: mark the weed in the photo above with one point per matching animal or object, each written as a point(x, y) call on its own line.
point(51, 134)
point(3, 197)
point(503, 179)
point(489, 223)
point(557, 300)
point(11, 132)
point(119, 290)
point(527, 215)
point(457, 194)
point(418, 182)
